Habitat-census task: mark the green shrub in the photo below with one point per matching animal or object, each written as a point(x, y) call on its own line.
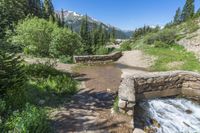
point(102, 50)
point(126, 46)
point(167, 36)
point(44, 38)
point(61, 85)
point(34, 35)
point(64, 42)
point(159, 44)
point(30, 120)
point(192, 26)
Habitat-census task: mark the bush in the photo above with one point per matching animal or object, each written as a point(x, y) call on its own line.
point(64, 42)
point(30, 120)
point(102, 50)
point(167, 36)
point(192, 26)
point(126, 46)
point(44, 38)
point(34, 35)
point(159, 44)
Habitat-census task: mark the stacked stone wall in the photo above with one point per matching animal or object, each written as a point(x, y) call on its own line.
point(97, 58)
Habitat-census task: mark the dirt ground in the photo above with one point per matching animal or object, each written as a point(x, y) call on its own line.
point(90, 110)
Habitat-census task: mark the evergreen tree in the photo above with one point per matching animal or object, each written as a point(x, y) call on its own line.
point(101, 36)
point(58, 20)
point(95, 35)
point(34, 7)
point(188, 10)
point(113, 34)
point(177, 17)
point(12, 74)
point(197, 13)
point(72, 30)
point(85, 35)
point(62, 18)
point(49, 10)
point(10, 12)
point(38, 8)
point(43, 13)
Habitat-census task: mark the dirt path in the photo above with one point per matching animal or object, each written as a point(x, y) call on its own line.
point(90, 111)
point(134, 62)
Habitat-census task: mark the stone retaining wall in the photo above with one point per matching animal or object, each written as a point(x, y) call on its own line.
point(157, 85)
point(97, 58)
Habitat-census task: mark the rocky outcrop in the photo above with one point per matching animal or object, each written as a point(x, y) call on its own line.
point(97, 58)
point(157, 85)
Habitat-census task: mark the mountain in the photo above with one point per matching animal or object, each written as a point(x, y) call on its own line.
point(73, 19)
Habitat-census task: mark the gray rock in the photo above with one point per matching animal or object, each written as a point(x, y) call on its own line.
point(137, 130)
point(122, 104)
point(127, 90)
point(130, 112)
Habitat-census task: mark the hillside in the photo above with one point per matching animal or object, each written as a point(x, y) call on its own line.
point(192, 41)
point(174, 47)
point(74, 19)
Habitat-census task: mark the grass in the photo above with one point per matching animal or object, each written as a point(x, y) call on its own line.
point(115, 105)
point(48, 84)
point(46, 89)
point(168, 55)
point(172, 54)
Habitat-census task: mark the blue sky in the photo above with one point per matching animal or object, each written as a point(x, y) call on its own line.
point(125, 14)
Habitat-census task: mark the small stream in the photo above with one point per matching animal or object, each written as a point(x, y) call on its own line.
point(169, 116)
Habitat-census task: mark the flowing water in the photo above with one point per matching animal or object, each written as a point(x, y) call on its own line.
point(170, 115)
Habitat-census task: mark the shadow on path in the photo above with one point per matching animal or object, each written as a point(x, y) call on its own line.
point(83, 113)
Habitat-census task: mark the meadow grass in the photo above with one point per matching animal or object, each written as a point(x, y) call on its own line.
point(172, 54)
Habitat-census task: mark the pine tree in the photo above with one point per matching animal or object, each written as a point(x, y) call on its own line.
point(197, 13)
point(10, 12)
point(177, 17)
point(34, 7)
point(58, 20)
point(49, 10)
point(43, 13)
point(85, 35)
point(188, 10)
point(71, 28)
point(62, 18)
point(101, 35)
point(38, 8)
point(12, 74)
point(95, 35)
point(113, 34)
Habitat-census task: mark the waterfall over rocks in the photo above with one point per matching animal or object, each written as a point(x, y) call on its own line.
point(171, 115)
